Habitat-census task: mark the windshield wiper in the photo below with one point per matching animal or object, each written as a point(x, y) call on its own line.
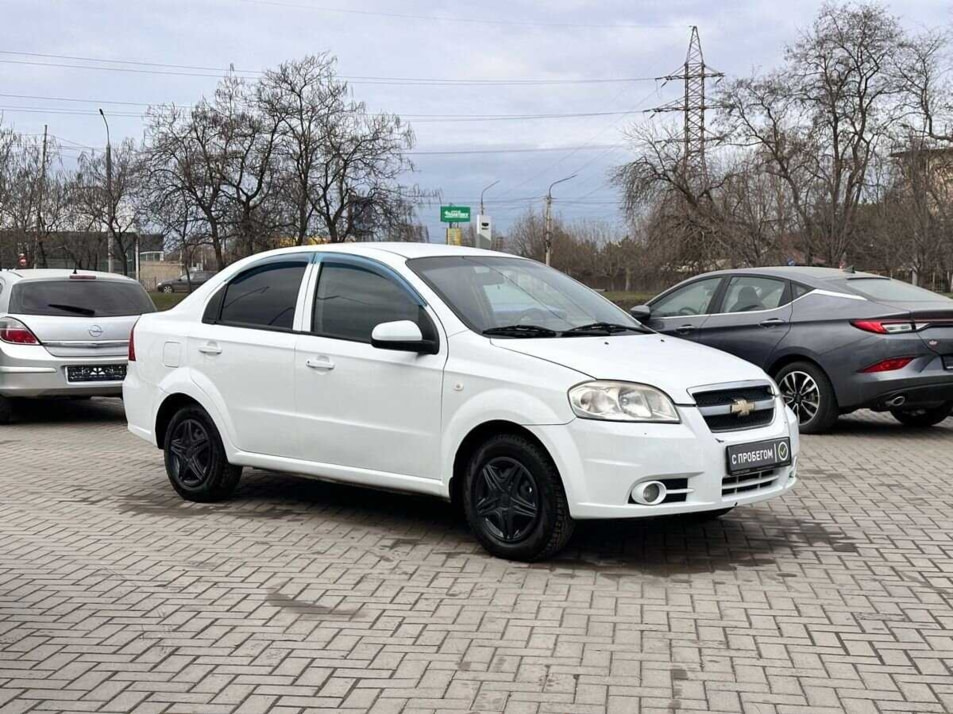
point(601, 328)
point(72, 308)
point(519, 331)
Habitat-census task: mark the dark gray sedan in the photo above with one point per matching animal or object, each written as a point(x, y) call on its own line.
point(834, 341)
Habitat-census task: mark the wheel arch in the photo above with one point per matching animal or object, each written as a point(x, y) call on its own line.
point(791, 358)
point(477, 436)
point(167, 409)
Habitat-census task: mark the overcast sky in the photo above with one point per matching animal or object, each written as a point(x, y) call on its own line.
point(487, 40)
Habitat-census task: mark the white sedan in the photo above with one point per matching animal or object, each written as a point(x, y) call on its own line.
point(485, 379)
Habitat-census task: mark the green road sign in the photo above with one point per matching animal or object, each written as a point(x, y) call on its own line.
point(455, 214)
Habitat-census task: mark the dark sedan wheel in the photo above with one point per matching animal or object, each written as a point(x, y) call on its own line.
point(166, 289)
point(923, 417)
point(514, 500)
point(195, 458)
point(808, 392)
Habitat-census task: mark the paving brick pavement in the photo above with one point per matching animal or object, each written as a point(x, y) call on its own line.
point(297, 596)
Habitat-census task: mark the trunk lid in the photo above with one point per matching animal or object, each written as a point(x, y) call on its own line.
point(80, 317)
point(933, 320)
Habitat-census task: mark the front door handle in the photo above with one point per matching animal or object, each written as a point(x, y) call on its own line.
point(322, 364)
point(685, 329)
point(210, 348)
point(773, 322)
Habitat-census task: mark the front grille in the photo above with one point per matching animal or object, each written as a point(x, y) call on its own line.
point(737, 484)
point(734, 409)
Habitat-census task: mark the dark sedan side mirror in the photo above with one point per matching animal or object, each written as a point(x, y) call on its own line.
point(641, 312)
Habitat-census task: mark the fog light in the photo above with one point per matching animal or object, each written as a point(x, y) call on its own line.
point(650, 493)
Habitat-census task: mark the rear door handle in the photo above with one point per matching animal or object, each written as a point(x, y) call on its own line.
point(323, 364)
point(210, 348)
point(685, 329)
point(774, 321)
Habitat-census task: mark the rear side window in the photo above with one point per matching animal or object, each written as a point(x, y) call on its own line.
point(351, 301)
point(748, 293)
point(79, 298)
point(263, 296)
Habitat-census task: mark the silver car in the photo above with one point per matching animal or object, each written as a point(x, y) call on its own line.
point(65, 333)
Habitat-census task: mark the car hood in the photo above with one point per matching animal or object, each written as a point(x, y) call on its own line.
point(675, 366)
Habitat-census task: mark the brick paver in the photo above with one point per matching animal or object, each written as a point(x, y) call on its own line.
point(117, 596)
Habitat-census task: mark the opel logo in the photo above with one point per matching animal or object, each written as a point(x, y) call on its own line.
point(742, 407)
point(95, 331)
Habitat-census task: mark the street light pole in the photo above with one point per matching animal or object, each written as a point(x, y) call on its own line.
point(483, 192)
point(548, 237)
point(109, 196)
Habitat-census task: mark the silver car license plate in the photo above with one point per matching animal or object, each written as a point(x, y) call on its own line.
point(96, 373)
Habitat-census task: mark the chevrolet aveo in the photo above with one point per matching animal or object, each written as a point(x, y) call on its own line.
point(485, 379)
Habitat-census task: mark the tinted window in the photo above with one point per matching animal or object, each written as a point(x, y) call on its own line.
point(693, 299)
point(351, 301)
point(800, 290)
point(80, 298)
point(889, 289)
point(747, 293)
point(264, 296)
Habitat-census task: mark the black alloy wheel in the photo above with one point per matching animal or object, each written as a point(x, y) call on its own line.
point(195, 459)
point(191, 449)
point(514, 500)
point(806, 389)
point(507, 499)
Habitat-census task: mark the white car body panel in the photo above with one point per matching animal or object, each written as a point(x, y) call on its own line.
point(396, 420)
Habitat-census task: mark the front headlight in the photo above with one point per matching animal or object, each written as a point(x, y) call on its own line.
point(622, 401)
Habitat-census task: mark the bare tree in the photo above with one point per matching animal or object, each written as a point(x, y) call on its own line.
point(114, 205)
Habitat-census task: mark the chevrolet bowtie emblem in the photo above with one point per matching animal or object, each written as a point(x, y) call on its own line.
point(742, 407)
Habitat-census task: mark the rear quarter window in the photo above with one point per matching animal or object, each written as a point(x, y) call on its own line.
point(889, 289)
point(79, 298)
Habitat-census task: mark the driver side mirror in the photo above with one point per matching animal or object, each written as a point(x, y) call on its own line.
point(641, 312)
point(403, 336)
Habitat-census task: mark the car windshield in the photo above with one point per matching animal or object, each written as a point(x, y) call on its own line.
point(890, 289)
point(514, 297)
point(80, 298)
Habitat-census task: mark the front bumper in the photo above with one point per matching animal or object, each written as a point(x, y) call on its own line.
point(601, 462)
point(31, 371)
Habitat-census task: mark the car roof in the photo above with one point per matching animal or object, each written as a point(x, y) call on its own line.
point(21, 274)
point(804, 274)
point(406, 250)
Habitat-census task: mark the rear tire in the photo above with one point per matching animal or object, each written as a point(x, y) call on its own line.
point(6, 410)
point(923, 417)
point(809, 393)
point(167, 289)
point(514, 500)
point(195, 459)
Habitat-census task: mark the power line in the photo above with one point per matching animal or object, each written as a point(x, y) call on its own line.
point(466, 20)
point(514, 150)
point(179, 70)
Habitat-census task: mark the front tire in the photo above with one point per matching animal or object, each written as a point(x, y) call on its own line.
point(195, 458)
point(809, 393)
point(923, 418)
point(514, 500)
point(167, 289)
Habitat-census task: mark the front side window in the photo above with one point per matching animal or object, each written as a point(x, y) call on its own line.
point(693, 299)
point(747, 293)
point(352, 300)
point(264, 296)
point(493, 293)
point(80, 298)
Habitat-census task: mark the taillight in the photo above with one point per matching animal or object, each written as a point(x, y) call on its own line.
point(14, 332)
point(888, 365)
point(886, 327)
point(132, 343)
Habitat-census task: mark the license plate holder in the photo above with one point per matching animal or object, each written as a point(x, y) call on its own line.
point(86, 373)
point(759, 455)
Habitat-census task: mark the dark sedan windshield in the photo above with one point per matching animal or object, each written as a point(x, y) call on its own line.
point(888, 289)
point(496, 293)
